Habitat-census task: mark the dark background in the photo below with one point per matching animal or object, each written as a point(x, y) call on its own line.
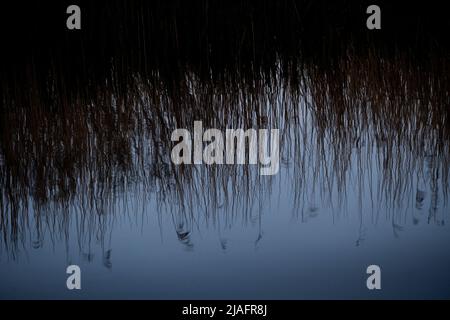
point(211, 37)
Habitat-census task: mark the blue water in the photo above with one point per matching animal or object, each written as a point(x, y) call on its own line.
point(276, 250)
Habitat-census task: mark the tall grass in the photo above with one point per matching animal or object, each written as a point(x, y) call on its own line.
point(86, 120)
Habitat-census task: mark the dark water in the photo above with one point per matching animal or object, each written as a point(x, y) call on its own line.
point(86, 176)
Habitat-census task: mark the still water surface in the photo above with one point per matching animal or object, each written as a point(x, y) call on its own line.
point(337, 205)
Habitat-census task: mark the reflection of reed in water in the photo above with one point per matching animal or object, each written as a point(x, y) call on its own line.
point(78, 139)
point(336, 126)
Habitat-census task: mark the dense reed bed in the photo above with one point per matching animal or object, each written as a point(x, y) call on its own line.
point(86, 119)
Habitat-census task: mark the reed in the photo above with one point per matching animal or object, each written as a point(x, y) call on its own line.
point(86, 121)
